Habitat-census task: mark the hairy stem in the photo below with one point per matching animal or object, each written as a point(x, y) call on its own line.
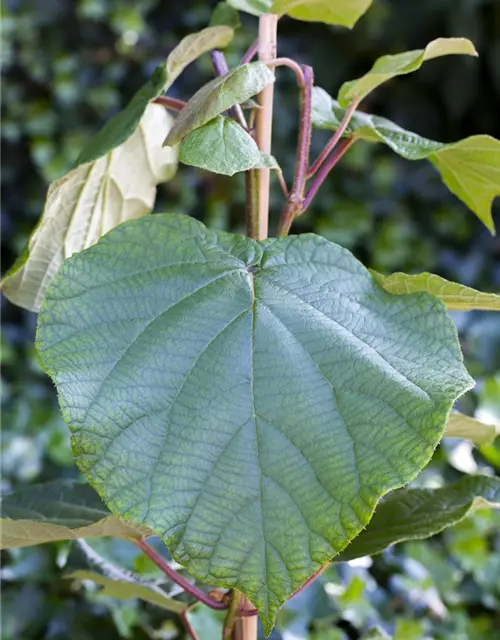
point(344, 123)
point(162, 564)
point(338, 152)
point(258, 225)
point(291, 64)
point(295, 202)
point(220, 67)
point(170, 103)
point(251, 53)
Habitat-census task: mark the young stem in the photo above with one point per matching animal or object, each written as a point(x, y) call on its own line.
point(258, 225)
point(251, 53)
point(177, 578)
point(295, 202)
point(170, 103)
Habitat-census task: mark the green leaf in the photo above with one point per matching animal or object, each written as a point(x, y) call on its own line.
point(455, 296)
point(254, 7)
point(89, 201)
point(221, 146)
point(128, 589)
point(375, 633)
point(193, 46)
point(413, 514)
point(388, 67)
point(219, 95)
point(225, 14)
point(60, 510)
point(343, 12)
point(120, 128)
point(460, 426)
point(226, 392)
point(470, 168)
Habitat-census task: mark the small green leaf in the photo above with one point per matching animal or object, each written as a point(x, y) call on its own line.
point(470, 168)
point(342, 12)
point(128, 589)
point(225, 392)
point(60, 510)
point(460, 426)
point(219, 95)
point(389, 67)
point(254, 7)
point(267, 161)
point(413, 514)
point(455, 296)
point(225, 14)
point(193, 46)
point(89, 201)
point(221, 146)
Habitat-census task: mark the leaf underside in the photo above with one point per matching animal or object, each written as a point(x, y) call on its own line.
point(412, 514)
point(461, 426)
point(59, 510)
point(89, 201)
point(470, 168)
point(250, 402)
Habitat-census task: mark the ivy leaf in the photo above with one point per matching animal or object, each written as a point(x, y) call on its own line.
point(225, 14)
point(342, 12)
point(470, 168)
point(195, 45)
point(388, 67)
point(455, 296)
point(254, 7)
point(413, 514)
point(460, 426)
point(225, 392)
point(221, 146)
point(60, 510)
point(89, 201)
point(219, 95)
point(129, 588)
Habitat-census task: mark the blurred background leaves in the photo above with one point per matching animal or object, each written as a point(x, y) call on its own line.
point(68, 65)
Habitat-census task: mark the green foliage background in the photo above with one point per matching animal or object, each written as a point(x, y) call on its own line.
point(68, 66)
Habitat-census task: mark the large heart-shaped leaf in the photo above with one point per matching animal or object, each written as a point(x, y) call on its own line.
point(456, 296)
point(249, 401)
point(412, 514)
point(388, 67)
point(128, 588)
point(219, 95)
point(92, 199)
point(60, 510)
point(343, 12)
point(470, 168)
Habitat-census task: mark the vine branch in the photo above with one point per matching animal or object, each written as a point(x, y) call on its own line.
point(170, 103)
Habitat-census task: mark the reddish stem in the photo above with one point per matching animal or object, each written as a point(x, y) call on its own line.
point(162, 564)
point(188, 626)
point(291, 64)
point(170, 103)
point(295, 201)
point(251, 53)
point(221, 68)
point(339, 151)
point(344, 123)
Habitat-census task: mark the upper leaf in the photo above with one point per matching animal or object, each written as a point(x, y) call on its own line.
point(221, 146)
point(219, 95)
point(225, 14)
point(128, 588)
point(412, 514)
point(250, 401)
point(254, 7)
point(343, 12)
point(60, 510)
point(460, 426)
point(388, 67)
point(193, 46)
point(456, 296)
point(92, 199)
point(470, 168)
